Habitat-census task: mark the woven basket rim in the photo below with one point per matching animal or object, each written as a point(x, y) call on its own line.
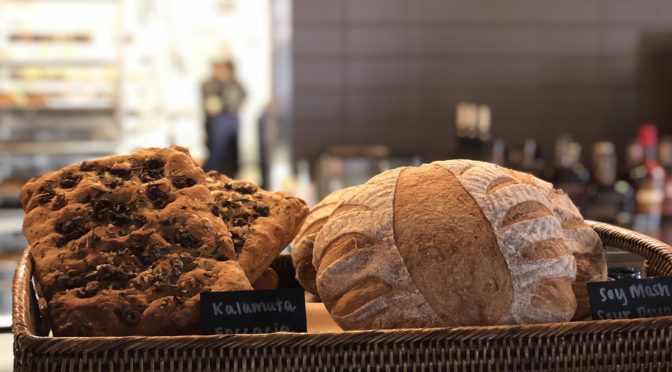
point(653, 246)
point(562, 327)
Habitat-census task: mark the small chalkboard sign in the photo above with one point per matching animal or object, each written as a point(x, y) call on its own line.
point(282, 310)
point(631, 298)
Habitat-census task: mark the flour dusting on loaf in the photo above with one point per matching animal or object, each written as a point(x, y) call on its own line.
point(453, 243)
point(585, 245)
point(302, 246)
point(522, 217)
point(580, 238)
point(361, 277)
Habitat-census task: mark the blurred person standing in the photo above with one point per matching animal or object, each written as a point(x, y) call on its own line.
point(222, 97)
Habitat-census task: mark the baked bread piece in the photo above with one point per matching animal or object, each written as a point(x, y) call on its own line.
point(262, 223)
point(165, 308)
point(585, 245)
point(267, 281)
point(581, 239)
point(446, 244)
point(302, 246)
point(123, 245)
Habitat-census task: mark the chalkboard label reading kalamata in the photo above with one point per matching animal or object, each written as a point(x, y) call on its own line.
point(282, 310)
point(631, 298)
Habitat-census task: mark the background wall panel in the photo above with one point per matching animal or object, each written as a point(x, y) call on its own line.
point(397, 68)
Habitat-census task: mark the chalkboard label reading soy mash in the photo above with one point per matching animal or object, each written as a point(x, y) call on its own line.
point(282, 310)
point(631, 298)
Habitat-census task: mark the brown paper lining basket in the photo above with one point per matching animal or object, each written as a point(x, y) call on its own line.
point(627, 345)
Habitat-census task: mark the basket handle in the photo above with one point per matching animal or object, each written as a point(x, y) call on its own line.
point(657, 254)
point(26, 317)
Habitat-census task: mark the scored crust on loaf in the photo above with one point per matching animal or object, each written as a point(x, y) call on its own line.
point(583, 242)
point(262, 223)
point(361, 278)
point(449, 248)
point(302, 246)
point(530, 238)
point(123, 245)
point(580, 238)
point(382, 261)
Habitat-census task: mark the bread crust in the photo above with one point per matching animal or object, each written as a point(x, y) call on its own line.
point(302, 245)
point(110, 311)
point(262, 223)
point(267, 281)
point(521, 215)
point(581, 240)
point(381, 257)
point(585, 245)
point(361, 277)
point(115, 237)
point(449, 248)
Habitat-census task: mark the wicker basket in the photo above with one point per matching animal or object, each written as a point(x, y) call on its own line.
point(626, 345)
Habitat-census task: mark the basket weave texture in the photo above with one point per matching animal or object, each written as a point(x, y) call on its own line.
point(610, 345)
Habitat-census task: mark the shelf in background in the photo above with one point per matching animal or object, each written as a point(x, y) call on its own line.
point(9, 198)
point(63, 147)
point(11, 220)
point(12, 240)
point(72, 108)
point(57, 62)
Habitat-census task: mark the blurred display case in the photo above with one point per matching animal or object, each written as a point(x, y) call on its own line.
point(59, 99)
point(58, 88)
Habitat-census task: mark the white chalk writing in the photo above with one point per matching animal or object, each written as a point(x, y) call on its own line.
point(267, 329)
point(242, 308)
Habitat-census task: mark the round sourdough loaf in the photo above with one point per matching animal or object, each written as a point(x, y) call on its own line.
point(302, 246)
point(453, 243)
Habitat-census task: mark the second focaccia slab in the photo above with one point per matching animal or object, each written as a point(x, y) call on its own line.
point(261, 223)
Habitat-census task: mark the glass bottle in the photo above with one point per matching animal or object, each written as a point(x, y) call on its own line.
point(609, 199)
point(665, 156)
point(498, 152)
point(569, 174)
point(634, 170)
point(473, 131)
point(649, 191)
point(528, 158)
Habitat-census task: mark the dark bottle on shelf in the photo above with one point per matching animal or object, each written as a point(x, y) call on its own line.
point(609, 199)
point(532, 162)
point(665, 156)
point(472, 131)
point(634, 170)
point(649, 179)
point(569, 174)
point(527, 158)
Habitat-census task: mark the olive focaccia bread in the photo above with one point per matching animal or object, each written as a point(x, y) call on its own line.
point(455, 243)
point(123, 245)
point(261, 223)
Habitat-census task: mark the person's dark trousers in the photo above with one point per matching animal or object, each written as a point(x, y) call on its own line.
point(263, 148)
point(223, 144)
